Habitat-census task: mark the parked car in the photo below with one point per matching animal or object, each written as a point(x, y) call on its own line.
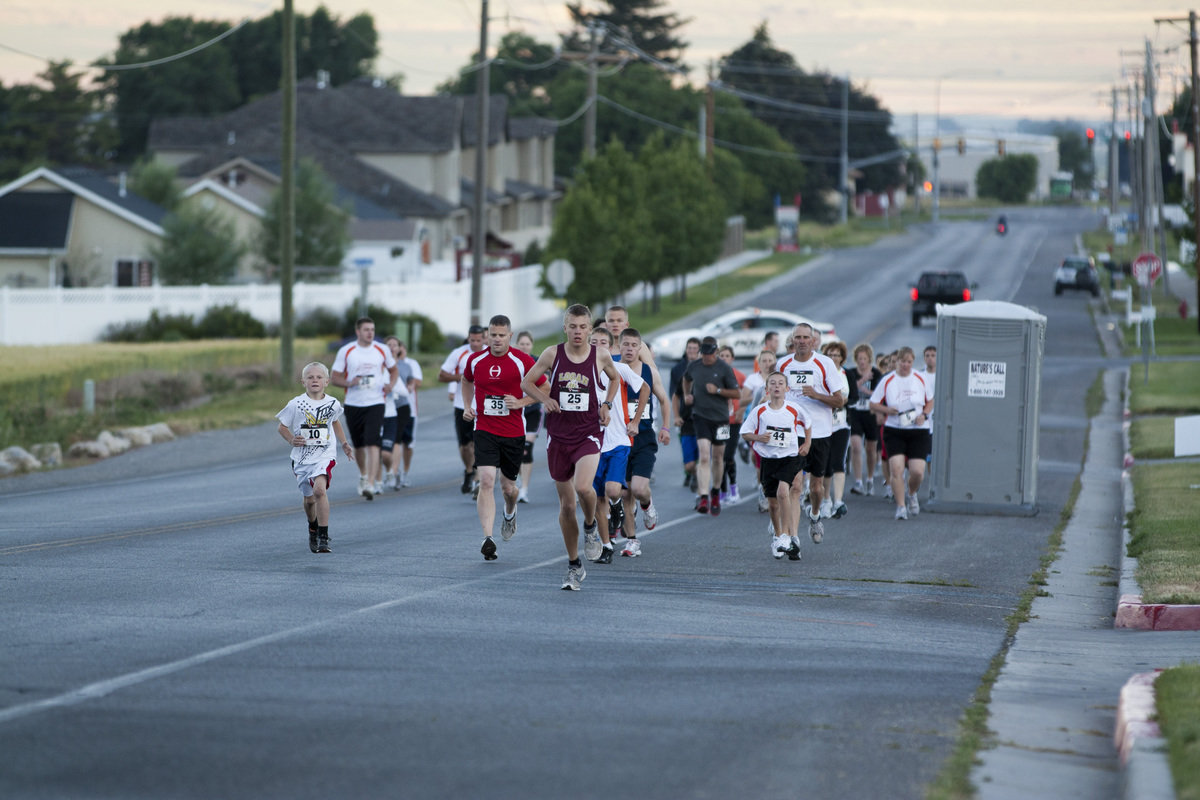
point(1077, 272)
point(947, 288)
point(743, 330)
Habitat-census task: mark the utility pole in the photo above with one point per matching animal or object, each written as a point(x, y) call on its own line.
point(844, 171)
point(1193, 42)
point(479, 236)
point(710, 117)
point(589, 119)
point(1154, 165)
point(1148, 130)
point(917, 150)
point(287, 192)
point(1114, 174)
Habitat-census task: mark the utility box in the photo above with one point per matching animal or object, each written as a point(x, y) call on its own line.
point(985, 409)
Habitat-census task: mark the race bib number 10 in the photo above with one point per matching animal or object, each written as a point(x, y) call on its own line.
point(573, 401)
point(315, 435)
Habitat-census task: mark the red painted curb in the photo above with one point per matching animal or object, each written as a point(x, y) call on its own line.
point(1135, 714)
point(1133, 613)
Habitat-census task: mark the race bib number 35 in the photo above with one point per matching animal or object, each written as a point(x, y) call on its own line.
point(493, 406)
point(573, 401)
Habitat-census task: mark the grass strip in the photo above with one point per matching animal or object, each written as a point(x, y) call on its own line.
point(1163, 532)
point(1177, 696)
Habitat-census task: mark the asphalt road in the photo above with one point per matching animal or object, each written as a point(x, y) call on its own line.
point(166, 632)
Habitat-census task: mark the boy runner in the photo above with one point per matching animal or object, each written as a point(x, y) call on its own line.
point(644, 452)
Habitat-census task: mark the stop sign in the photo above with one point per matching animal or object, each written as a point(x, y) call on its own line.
point(1147, 268)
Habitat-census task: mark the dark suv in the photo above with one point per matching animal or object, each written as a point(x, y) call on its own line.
point(937, 287)
point(1077, 272)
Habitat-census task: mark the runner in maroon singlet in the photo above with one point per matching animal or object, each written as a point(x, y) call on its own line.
point(575, 416)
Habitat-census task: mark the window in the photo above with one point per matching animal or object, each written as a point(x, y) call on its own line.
point(132, 272)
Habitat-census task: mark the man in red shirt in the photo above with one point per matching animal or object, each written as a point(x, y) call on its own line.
point(492, 399)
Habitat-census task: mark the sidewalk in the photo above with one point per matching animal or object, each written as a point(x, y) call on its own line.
point(1054, 706)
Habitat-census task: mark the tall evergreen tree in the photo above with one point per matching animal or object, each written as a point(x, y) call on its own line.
point(643, 22)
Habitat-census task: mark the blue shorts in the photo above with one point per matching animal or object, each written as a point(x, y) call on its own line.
point(691, 451)
point(612, 468)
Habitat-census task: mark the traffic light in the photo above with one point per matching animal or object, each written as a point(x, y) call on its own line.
point(1091, 138)
point(962, 145)
point(1128, 136)
point(937, 145)
point(1000, 147)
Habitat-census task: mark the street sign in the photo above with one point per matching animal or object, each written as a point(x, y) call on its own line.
point(1147, 268)
point(560, 273)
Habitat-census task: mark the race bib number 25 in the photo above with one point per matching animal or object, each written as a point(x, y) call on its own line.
point(573, 401)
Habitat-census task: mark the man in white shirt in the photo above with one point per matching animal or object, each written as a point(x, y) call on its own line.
point(367, 371)
point(451, 373)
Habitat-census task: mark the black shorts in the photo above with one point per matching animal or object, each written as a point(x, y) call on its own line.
point(862, 423)
point(774, 471)
point(708, 429)
point(642, 456)
point(533, 418)
point(405, 425)
point(817, 462)
point(915, 444)
point(388, 437)
point(364, 425)
point(499, 451)
point(465, 431)
point(839, 445)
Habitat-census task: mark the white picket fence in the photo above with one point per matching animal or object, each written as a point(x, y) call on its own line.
point(75, 316)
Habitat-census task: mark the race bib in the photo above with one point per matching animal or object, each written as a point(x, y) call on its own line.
point(798, 379)
point(908, 418)
point(783, 438)
point(366, 381)
point(315, 435)
point(633, 411)
point(721, 433)
point(493, 406)
point(573, 401)
point(862, 404)
point(839, 416)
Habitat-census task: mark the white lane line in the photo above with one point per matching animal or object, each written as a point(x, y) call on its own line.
point(103, 688)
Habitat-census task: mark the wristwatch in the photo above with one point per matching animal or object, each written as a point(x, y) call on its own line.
point(607, 403)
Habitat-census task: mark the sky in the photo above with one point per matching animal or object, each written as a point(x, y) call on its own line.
point(962, 59)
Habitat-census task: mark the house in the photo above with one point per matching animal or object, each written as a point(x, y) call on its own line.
point(72, 226)
point(404, 166)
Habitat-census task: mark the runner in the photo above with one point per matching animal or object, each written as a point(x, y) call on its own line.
point(839, 442)
point(708, 384)
point(367, 371)
point(406, 428)
point(864, 376)
point(610, 480)
point(753, 393)
point(451, 373)
point(729, 487)
point(773, 429)
point(492, 397)
point(907, 401)
point(816, 386)
point(644, 453)
point(311, 424)
point(533, 424)
point(575, 417)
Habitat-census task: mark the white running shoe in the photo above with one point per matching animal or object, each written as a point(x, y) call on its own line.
point(764, 505)
point(405, 482)
point(794, 549)
point(857, 488)
point(914, 507)
point(734, 495)
point(591, 543)
point(632, 549)
point(816, 530)
point(826, 508)
point(870, 486)
point(508, 526)
point(362, 485)
point(378, 487)
point(650, 516)
point(574, 579)
point(771, 527)
point(780, 545)
point(887, 492)
point(522, 496)
point(901, 512)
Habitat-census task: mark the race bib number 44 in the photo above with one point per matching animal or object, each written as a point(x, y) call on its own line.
point(573, 401)
point(780, 437)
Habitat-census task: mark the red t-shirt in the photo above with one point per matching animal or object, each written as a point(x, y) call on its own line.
point(494, 377)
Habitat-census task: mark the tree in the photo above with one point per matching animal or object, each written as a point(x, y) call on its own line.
point(321, 232)
point(522, 70)
point(52, 122)
point(1075, 156)
point(1009, 179)
point(638, 21)
point(199, 246)
point(155, 181)
point(224, 75)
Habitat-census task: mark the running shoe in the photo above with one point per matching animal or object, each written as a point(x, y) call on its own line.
point(574, 579)
point(466, 484)
point(857, 488)
point(362, 485)
point(591, 542)
point(694, 483)
point(724, 497)
point(734, 497)
point(744, 451)
point(870, 486)
point(914, 507)
point(901, 512)
point(405, 482)
point(312, 535)
point(687, 479)
point(771, 527)
point(780, 545)
point(508, 526)
point(378, 488)
point(887, 492)
point(616, 516)
point(793, 552)
point(606, 554)
point(826, 508)
point(715, 503)
point(522, 497)
point(764, 505)
point(474, 490)
point(840, 511)
point(816, 530)
point(649, 516)
point(632, 549)
point(368, 490)
point(702, 504)
point(323, 543)
point(488, 549)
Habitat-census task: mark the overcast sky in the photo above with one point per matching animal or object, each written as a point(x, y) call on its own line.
point(1014, 58)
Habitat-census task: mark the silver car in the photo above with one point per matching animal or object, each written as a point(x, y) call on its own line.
point(743, 330)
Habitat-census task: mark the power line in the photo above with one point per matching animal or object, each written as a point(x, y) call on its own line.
point(820, 111)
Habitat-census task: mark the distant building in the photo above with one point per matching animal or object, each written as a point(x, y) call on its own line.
point(963, 151)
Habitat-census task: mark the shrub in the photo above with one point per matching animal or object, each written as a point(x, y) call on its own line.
point(319, 322)
point(229, 322)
